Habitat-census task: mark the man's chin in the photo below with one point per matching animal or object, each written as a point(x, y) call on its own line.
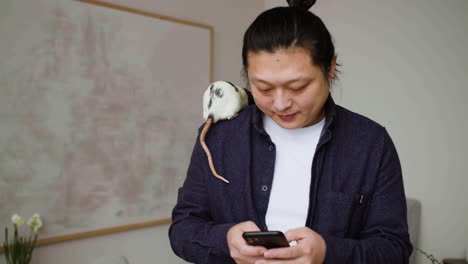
point(287, 125)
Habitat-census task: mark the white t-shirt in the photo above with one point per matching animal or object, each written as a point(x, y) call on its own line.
point(289, 198)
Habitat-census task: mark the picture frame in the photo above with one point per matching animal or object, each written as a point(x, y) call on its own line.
point(96, 140)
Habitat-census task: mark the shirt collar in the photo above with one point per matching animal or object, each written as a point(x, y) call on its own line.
point(330, 112)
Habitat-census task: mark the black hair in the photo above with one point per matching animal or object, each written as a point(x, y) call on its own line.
point(290, 27)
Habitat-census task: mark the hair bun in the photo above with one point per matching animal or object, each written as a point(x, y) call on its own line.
point(306, 4)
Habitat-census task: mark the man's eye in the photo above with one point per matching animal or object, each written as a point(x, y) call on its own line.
point(264, 90)
point(299, 88)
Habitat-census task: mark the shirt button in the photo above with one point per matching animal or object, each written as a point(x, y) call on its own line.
point(264, 188)
point(271, 148)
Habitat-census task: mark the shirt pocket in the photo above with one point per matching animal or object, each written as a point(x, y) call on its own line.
point(340, 214)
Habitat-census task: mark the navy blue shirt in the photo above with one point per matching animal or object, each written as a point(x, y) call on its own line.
point(357, 201)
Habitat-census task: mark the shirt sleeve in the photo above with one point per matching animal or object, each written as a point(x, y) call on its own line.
point(193, 234)
point(384, 237)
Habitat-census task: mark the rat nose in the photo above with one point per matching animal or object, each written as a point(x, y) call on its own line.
point(282, 101)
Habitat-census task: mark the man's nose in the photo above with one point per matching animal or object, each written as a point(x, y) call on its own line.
point(281, 101)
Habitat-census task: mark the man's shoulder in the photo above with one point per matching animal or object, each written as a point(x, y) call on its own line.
point(229, 127)
point(353, 125)
point(356, 120)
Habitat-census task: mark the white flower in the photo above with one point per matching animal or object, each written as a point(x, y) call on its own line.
point(35, 223)
point(17, 220)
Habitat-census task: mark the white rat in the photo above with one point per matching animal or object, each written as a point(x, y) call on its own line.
point(222, 100)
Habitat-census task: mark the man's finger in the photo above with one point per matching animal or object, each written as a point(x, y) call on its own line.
point(278, 261)
point(252, 251)
point(296, 234)
point(283, 253)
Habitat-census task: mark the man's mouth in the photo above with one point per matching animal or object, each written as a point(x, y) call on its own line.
point(287, 117)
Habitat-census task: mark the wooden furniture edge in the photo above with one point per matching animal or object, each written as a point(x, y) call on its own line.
point(98, 232)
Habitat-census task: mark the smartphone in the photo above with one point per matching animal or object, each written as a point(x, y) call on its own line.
point(267, 239)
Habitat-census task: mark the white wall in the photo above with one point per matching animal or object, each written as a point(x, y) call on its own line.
point(230, 18)
point(405, 65)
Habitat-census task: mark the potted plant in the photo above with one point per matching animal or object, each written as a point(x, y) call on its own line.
point(18, 249)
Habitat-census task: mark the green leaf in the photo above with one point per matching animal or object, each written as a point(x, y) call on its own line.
point(5, 244)
point(7, 248)
point(31, 248)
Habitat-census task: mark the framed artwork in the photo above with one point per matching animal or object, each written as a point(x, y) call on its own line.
point(99, 110)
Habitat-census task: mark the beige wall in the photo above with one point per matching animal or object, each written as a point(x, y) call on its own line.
point(405, 65)
point(229, 18)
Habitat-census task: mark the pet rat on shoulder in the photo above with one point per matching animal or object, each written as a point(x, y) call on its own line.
point(222, 100)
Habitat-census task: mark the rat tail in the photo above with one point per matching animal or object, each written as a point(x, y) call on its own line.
point(207, 126)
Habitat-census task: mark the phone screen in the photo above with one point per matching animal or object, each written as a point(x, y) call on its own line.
point(267, 239)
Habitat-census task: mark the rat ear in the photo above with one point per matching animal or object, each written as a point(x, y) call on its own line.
point(306, 4)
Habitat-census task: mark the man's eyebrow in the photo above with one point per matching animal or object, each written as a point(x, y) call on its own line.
point(299, 79)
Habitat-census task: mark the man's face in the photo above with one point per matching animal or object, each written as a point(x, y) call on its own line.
point(287, 87)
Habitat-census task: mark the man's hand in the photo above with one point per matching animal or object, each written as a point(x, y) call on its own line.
point(240, 251)
point(310, 248)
